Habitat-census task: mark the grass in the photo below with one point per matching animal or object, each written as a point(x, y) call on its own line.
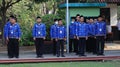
point(65, 64)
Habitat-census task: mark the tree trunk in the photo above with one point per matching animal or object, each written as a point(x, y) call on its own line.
point(3, 21)
point(44, 8)
point(54, 8)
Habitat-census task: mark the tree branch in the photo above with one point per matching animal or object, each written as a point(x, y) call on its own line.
point(12, 3)
point(8, 2)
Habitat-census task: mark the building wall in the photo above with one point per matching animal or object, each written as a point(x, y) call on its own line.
point(85, 11)
point(113, 19)
point(113, 14)
point(95, 11)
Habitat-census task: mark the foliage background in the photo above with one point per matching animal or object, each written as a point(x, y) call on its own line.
point(27, 10)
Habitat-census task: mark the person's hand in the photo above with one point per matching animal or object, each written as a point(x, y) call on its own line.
point(56, 39)
point(77, 38)
point(44, 38)
point(74, 37)
point(34, 38)
point(7, 39)
point(19, 39)
point(64, 39)
point(51, 38)
point(86, 38)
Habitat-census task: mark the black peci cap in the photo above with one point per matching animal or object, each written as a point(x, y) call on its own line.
point(38, 17)
point(100, 16)
point(12, 16)
point(59, 19)
point(55, 19)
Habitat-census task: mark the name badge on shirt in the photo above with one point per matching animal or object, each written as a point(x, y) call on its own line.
point(61, 32)
point(100, 29)
point(38, 32)
point(11, 32)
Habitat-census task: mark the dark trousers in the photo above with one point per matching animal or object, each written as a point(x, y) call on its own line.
point(82, 46)
point(72, 45)
point(76, 46)
point(91, 45)
point(100, 41)
point(39, 42)
point(60, 47)
point(13, 48)
point(54, 46)
point(119, 34)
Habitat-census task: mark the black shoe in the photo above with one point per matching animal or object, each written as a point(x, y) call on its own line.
point(100, 55)
point(94, 53)
point(10, 56)
point(82, 55)
point(58, 55)
point(70, 51)
point(17, 57)
point(39, 56)
point(63, 56)
point(76, 54)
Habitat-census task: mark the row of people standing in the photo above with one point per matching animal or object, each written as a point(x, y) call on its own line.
point(58, 35)
point(79, 33)
point(12, 34)
point(90, 34)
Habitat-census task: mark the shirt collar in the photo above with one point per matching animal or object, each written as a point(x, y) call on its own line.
point(39, 23)
point(14, 24)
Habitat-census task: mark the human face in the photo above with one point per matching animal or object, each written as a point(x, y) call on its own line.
point(91, 20)
point(73, 20)
point(87, 20)
point(38, 20)
point(82, 19)
point(12, 20)
point(78, 18)
point(100, 19)
point(60, 22)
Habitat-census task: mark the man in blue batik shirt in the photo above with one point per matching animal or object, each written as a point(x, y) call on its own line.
point(53, 31)
point(39, 34)
point(100, 35)
point(75, 33)
point(91, 42)
point(72, 46)
point(61, 37)
point(6, 25)
point(13, 34)
point(82, 35)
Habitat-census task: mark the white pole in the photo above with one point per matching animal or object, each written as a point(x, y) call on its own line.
point(67, 20)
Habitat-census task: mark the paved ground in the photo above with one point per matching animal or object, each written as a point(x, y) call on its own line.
point(112, 46)
point(111, 49)
point(30, 54)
